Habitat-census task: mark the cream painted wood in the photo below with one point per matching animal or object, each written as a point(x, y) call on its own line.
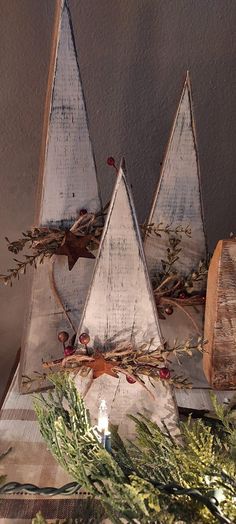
point(178, 196)
point(120, 307)
point(67, 183)
point(178, 201)
point(219, 360)
point(69, 163)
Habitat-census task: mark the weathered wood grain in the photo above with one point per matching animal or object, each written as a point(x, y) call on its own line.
point(67, 183)
point(178, 202)
point(120, 307)
point(219, 360)
point(200, 399)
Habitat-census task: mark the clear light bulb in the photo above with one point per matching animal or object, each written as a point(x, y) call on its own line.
point(103, 417)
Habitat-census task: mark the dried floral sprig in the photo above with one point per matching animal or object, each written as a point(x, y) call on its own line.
point(45, 241)
point(158, 229)
point(134, 362)
point(172, 289)
point(21, 267)
point(171, 293)
point(197, 275)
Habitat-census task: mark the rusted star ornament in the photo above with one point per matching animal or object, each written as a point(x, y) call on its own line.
point(74, 247)
point(100, 366)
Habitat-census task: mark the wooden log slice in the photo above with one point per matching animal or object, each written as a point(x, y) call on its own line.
point(219, 360)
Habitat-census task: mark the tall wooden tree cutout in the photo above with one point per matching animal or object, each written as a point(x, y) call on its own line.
point(67, 183)
point(120, 307)
point(178, 202)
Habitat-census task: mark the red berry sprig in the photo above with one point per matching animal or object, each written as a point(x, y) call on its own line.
point(111, 163)
point(130, 379)
point(84, 339)
point(169, 310)
point(164, 373)
point(69, 350)
point(63, 336)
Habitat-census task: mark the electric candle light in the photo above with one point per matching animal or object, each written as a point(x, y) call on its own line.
point(102, 426)
point(102, 417)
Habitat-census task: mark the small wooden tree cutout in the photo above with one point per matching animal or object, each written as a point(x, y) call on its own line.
point(120, 307)
point(178, 202)
point(219, 359)
point(67, 184)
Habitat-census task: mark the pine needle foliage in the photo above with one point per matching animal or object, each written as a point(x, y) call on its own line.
point(156, 479)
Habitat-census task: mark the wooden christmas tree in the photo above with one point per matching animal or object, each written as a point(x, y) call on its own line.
point(120, 308)
point(67, 184)
point(177, 201)
point(178, 204)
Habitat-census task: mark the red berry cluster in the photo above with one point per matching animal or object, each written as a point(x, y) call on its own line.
point(169, 310)
point(84, 339)
point(130, 379)
point(164, 373)
point(68, 350)
point(111, 162)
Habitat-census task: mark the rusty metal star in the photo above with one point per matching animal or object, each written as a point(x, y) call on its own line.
point(74, 247)
point(100, 366)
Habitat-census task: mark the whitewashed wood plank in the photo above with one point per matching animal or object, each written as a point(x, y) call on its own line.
point(67, 183)
point(200, 399)
point(178, 201)
point(120, 306)
point(219, 360)
point(69, 176)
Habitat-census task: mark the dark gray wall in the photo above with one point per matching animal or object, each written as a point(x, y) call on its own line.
point(133, 56)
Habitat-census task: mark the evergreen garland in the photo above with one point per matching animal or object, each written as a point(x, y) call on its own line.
point(154, 480)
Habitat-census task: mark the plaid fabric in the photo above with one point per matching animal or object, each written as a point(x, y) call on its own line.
point(28, 462)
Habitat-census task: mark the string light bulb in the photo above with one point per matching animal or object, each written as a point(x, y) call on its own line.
point(102, 426)
point(103, 419)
